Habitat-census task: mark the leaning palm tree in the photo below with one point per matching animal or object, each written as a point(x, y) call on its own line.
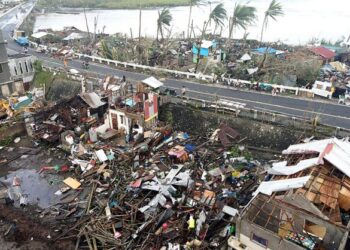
point(243, 16)
point(217, 16)
point(275, 10)
point(164, 19)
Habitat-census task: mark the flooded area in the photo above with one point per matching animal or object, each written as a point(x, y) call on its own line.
point(24, 164)
point(299, 25)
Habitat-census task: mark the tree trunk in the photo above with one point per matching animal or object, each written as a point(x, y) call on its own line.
point(87, 24)
point(205, 25)
point(139, 49)
point(189, 23)
point(161, 32)
point(262, 30)
point(230, 27)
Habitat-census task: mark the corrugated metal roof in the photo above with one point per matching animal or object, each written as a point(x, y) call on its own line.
point(324, 52)
point(92, 99)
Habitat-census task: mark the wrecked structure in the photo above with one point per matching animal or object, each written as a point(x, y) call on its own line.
point(303, 203)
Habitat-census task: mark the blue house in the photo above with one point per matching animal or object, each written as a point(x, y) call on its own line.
point(204, 50)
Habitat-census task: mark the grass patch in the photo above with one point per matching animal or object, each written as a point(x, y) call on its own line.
point(111, 4)
point(43, 77)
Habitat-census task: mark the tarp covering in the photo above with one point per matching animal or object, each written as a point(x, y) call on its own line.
point(152, 82)
point(264, 50)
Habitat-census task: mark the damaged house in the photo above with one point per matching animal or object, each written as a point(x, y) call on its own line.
point(304, 205)
point(136, 111)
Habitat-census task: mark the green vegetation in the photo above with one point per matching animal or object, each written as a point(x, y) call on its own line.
point(41, 77)
point(110, 4)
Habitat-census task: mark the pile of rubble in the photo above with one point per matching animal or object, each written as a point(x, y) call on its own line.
point(166, 191)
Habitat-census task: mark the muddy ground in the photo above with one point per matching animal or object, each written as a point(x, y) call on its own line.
point(22, 227)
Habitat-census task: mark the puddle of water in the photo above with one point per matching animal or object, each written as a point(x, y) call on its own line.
point(38, 189)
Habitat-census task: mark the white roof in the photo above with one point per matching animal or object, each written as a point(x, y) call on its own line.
point(74, 36)
point(152, 82)
point(268, 187)
point(39, 34)
point(336, 151)
point(206, 44)
point(281, 168)
point(246, 57)
point(327, 84)
point(92, 99)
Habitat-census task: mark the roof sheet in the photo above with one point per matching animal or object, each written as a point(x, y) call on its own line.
point(92, 99)
point(336, 151)
point(39, 34)
point(324, 52)
point(152, 82)
point(268, 187)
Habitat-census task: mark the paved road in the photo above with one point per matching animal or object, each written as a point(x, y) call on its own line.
point(328, 113)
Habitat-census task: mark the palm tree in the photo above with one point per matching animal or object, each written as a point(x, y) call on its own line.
point(192, 3)
point(275, 10)
point(218, 15)
point(243, 16)
point(164, 19)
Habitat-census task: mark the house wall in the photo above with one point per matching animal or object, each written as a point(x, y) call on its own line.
point(5, 76)
point(331, 240)
point(123, 121)
point(22, 68)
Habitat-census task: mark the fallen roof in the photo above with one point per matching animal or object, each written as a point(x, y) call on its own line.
point(74, 36)
point(92, 99)
point(281, 168)
point(324, 52)
point(152, 82)
point(268, 187)
point(337, 152)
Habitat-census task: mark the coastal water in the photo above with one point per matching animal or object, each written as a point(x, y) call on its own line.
point(303, 20)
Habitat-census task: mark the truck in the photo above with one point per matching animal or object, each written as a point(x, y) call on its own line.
point(20, 38)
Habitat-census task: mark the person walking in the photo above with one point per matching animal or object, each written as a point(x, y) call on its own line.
point(183, 91)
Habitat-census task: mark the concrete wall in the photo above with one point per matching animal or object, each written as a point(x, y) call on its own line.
point(22, 68)
point(262, 129)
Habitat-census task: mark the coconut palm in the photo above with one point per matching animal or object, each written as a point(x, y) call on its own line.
point(217, 16)
point(192, 3)
point(164, 19)
point(243, 16)
point(275, 10)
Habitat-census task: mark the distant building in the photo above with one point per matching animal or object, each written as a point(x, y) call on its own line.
point(326, 55)
point(22, 69)
point(5, 75)
point(10, 1)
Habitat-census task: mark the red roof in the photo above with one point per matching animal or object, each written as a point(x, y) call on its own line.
point(324, 52)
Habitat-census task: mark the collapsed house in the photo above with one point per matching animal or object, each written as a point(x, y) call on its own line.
point(304, 204)
point(135, 112)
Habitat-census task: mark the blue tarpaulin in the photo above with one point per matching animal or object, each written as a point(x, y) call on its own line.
point(23, 41)
point(263, 50)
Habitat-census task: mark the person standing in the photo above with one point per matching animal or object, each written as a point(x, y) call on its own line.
point(183, 91)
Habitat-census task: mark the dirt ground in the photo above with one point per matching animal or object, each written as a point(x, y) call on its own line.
point(21, 227)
